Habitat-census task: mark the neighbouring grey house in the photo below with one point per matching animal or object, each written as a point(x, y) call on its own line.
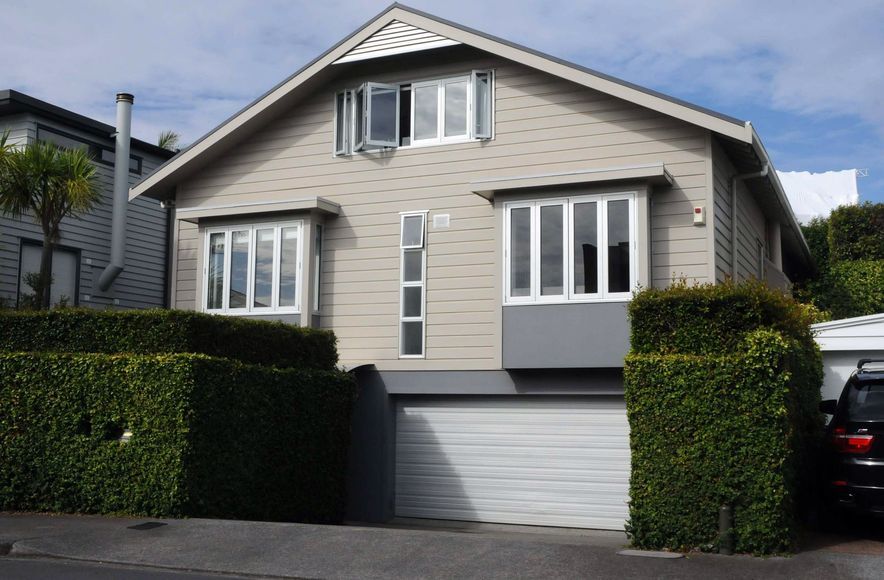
point(84, 248)
point(470, 217)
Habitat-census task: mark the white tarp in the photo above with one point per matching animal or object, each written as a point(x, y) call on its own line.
point(817, 194)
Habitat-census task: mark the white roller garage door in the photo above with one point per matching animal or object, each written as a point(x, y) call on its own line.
point(551, 461)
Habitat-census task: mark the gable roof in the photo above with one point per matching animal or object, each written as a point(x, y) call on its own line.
point(401, 29)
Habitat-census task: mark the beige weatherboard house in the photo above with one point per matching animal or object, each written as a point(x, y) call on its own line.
point(470, 218)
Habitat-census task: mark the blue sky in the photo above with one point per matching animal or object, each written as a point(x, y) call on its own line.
point(808, 74)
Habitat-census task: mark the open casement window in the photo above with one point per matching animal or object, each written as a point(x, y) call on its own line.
point(481, 82)
point(382, 115)
point(413, 270)
point(253, 269)
point(580, 248)
point(343, 122)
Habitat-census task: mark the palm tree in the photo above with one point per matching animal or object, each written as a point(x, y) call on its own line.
point(49, 183)
point(168, 140)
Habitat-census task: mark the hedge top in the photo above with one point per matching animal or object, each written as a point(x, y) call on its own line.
point(167, 331)
point(856, 232)
point(709, 319)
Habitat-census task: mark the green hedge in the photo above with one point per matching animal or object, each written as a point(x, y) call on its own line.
point(722, 393)
point(856, 232)
point(210, 437)
point(167, 331)
point(712, 319)
point(848, 289)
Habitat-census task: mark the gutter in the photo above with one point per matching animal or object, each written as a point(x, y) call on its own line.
point(121, 192)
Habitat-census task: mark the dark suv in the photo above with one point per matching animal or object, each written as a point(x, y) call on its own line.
point(854, 459)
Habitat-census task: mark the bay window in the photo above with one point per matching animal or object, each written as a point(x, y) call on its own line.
point(579, 248)
point(447, 110)
point(252, 268)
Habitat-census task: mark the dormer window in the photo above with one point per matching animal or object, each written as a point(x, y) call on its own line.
point(429, 112)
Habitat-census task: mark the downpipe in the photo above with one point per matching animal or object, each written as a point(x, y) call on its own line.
point(734, 180)
point(121, 192)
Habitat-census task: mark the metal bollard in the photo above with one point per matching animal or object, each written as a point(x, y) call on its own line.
point(726, 530)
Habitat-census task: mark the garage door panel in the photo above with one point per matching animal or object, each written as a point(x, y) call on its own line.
point(543, 461)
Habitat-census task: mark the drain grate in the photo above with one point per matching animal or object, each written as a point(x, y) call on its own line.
point(147, 526)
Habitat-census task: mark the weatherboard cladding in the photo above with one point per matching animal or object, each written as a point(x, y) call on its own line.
point(142, 283)
point(543, 125)
point(395, 38)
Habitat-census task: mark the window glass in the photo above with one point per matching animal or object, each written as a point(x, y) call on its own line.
point(456, 109)
point(552, 250)
point(340, 123)
point(520, 251)
point(618, 246)
point(412, 338)
point(239, 268)
point(317, 266)
point(63, 274)
point(288, 267)
point(215, 293)
point(405, 115)
point(865, 402)
point(412, 265)
point(586, 251)
point(263, 287)
point(359, 112)
point(412, 299)
point(482, 105)
point(384, 115)
point(413, 231)
point(426, 112)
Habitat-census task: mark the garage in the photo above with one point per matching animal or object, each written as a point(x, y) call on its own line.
point(843, 342)
point(546, 461)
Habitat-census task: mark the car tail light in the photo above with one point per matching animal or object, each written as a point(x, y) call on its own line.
point(851, 443)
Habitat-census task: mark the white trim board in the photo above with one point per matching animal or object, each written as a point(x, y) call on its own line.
point(863, 333)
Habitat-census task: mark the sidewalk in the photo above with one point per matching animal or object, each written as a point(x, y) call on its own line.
point(311, 551)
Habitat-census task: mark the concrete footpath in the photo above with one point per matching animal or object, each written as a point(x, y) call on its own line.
point(406, 551)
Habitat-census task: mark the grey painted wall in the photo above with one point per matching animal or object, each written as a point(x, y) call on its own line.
point(371, 472)
point(565, 335)
point(143, 283)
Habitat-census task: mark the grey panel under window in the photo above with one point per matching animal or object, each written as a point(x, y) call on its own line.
point(426, 112)
point(263, 288)
point(456, 109)
point(412, 266)
point(412, 301)
point(520, 251)
point(552, 250)
point(412, 338)
point(215, 282)
point(586, 251)
point(618, 246)
point(239, 268)
point(288, 268)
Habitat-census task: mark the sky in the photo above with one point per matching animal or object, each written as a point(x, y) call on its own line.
point(809, 74)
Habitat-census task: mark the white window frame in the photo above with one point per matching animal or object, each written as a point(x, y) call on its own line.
point(250, 309)
point(318, 239)
point(568, 294)
point(353, 143)
point(422, 248)
point(369, 91)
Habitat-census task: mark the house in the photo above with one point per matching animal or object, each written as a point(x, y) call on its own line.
point(84, 249)
point(470, 217)
point(843, 342)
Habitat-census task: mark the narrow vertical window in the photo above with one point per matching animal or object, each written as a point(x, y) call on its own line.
point(343, 122)
point(215, 268)
point(239, 269)
point(317, 267)
point(262, 289)
point(358, 119)
point(288, 266)
point(520, 252)
point(552, 250)
point(586, 248)
point(456, 108)
point(481, 104)
point(425, 111)
point(619, 263)
point(412, 316)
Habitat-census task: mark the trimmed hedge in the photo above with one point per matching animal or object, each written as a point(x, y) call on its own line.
point(210, 437)
point(856, 232)
point(167, 331)
point(722, 394)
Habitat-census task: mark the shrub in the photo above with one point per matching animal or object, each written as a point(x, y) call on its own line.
point(210, 437)
point(850, 289)
point(856, 232)
point(722, 394)
point(167, 331)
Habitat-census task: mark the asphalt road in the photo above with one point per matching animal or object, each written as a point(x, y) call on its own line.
point(45, 569)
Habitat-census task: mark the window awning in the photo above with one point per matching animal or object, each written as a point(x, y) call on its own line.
point(197, 213)
point(655, 174)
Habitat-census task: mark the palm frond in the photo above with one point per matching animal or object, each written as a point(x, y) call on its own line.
point(168, 140)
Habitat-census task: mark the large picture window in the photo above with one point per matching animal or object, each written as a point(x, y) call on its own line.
point(447, 110)
point(574, 248)
point(252, 268)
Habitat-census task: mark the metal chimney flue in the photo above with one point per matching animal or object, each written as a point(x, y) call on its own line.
point(121, 192)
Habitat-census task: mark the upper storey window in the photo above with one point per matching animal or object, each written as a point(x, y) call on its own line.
point(430, 112)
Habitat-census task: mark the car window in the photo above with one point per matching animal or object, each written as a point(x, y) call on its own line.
point(865, 402)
